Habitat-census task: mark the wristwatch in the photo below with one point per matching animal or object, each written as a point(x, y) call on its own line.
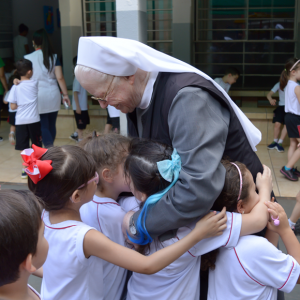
point(132, 228)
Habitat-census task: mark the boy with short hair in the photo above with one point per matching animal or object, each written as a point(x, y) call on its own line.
point(231, 76)
point(80, 107)
point(24, 97)
point(23, 247)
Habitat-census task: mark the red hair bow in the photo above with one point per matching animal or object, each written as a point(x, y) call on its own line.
point(36, 169)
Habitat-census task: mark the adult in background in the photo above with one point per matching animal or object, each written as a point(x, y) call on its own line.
point(3, 87)
point(47, 71)
point(172, 102)
point(21, 43)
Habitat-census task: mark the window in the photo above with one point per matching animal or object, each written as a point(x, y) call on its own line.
point(99, 18)
point(256, 37)
point(159, 33)
point(6, 30)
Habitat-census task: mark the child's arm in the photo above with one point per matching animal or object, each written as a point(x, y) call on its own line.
point(78, 109)
point(271, 100)
point(297, 92)
point(284, 230)
point(13, 106)
point(96, 244)
point(38, 272)
point(257, 219)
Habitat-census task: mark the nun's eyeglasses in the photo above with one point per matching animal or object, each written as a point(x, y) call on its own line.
point(104, 99)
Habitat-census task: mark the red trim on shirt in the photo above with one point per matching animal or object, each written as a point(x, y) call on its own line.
point(288, 277)
point(98, 216)
point(245, 270)
point(60, 227)
point(230, 230)
point(106, 203)
point(188, 251)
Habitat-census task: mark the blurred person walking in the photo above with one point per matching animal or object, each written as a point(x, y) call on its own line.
point(48, 72)
point(3, 87)
point(21, 43)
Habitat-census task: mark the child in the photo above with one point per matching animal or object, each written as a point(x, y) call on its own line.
point(295, 216)
point(11, 112)
point(255, 268)
point(180, 280)
point(23, 247)
point(231, 76)
point(65, 178)
point(80, 107)
point(24, 98)
point(278, 118)
point(104, 213)
point(288, 80)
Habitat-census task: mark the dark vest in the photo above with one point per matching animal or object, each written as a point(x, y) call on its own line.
point(155, 119)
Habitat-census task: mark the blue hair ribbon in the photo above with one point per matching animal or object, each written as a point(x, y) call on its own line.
point(169, 170)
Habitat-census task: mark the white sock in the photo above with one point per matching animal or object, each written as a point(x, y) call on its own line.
point(292, 224)
point(280, 141)
point(75, 133)
point(79, 140)
point(275, 140)
point(12, 132)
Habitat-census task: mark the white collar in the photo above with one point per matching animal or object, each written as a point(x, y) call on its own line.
point(146, 99)
point(104, 200)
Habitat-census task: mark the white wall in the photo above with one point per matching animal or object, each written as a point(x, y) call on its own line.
point(31, 13)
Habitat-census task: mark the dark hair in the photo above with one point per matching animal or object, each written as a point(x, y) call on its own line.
point(141, 167)
point(108, 150)
point(285, 74)
point(41, 38)
point(12, 78)
point(228, 198)
point(23, 66)
point(22, 28)
point(20, 221)
point(233, 71)
point(75, 60)
point(72, 167)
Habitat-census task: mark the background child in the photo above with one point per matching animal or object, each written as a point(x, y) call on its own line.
point(230, 77)
point(255, 268)
point(11, 112)
point(180, 280)
point(104, 213)
point(278, 118)
point(295, 216)
point(67, 180)
point(23, 248)
point(288, 80)
point(24, 98)
point(80, 107)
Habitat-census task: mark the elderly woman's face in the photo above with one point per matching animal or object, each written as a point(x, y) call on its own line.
point(118, 91)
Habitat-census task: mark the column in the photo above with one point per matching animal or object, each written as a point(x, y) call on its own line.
point(71, 31)
point(131, 24)
point(182, 30)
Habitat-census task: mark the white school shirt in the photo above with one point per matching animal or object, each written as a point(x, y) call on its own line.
point(19, 49)
point(225, 86)
point(129, 203)
point(180, 280)
point(25, 96)
point(253, 270)
point(276, 88)
point(68, 274)
point(82, 95)
point(291, 101)
point(9, 108)
point(49, 97)
point(106, 215)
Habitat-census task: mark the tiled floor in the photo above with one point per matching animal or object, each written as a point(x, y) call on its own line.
point(11, 164)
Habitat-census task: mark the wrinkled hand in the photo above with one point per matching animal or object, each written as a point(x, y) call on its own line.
point(213, 224)
point(264, 180)
point(276, 210)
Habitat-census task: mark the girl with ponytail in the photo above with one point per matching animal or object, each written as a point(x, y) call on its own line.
point(288, 80)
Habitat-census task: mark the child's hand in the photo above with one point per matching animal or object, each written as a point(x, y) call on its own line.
point(212, 224)
point(277, 211)
point(272, 101)
point(78, 110)
point(264, 180)
point(16, 81)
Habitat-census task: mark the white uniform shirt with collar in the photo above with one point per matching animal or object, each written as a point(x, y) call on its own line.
point(82, 96)
point(68, 274)
point(252, 270)
point(106, 215)
point(291, 101)
point(281, 93)
point(49, 97)
point(25, 95)
point(180, 280)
